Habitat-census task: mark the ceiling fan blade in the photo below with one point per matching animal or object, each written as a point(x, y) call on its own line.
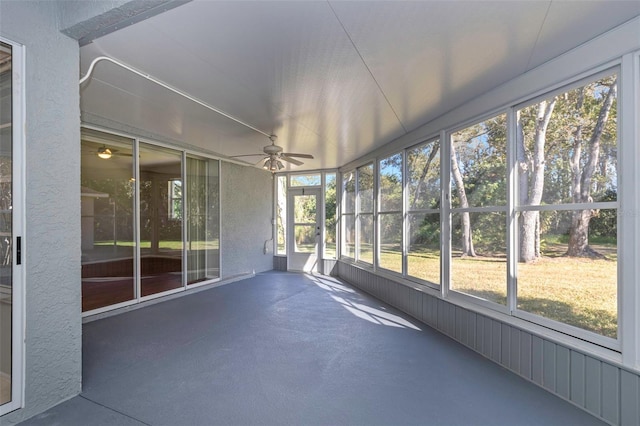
point(247, 155)
point(291, 160)
point(291, 154)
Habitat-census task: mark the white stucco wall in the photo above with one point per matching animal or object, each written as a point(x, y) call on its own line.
point(53, 349)
point(246, 201)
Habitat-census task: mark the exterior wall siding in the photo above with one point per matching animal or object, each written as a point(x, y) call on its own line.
point(600, 388)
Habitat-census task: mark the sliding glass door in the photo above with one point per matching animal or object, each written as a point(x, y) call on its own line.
point(150, 220)
point(6, 224)
point(203, 220)
point(160, 219)
point(108, 220)
point(11, 226)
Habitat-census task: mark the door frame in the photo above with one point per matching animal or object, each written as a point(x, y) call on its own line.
point(18, 227)
point(292, 262)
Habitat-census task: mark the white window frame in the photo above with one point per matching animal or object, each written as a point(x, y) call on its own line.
point(596, 338)
point(380, 214)
point(407, 212)
point(276, 197)
point(343, 215)
point(324, 214)
point(372, 213)
point(448, 211)
point(18, 223)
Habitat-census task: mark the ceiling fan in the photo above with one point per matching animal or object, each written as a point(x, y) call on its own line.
point(104, 152)
point(273, 156)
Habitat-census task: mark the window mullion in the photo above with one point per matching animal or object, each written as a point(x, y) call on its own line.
point(445, 213)
point(405, 216)
point(356, 222)
point(185, 218)
point(511, 216)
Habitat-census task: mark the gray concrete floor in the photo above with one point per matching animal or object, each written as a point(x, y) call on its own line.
point(290, 349)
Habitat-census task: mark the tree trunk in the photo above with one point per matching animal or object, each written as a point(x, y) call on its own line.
point(467, 234)
point(582, 176)
point(579, 233)
point(532, 173)
point(529, 233)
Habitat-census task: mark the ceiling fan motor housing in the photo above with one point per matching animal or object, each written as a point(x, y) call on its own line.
point(272, 149)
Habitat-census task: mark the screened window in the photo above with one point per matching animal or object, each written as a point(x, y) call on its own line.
point(330, 217)
point(281, 215)
point(423, 208)
point(364, 221)
point(568, 207)
point(390, 213)
point(533, 211)
point(306, 180)
point(478, 210)
point(348, 234)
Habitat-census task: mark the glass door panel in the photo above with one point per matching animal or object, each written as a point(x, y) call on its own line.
point(203, 220)
point(161, 207)
point(6, 224)
point(304, 218)
point(107, 224)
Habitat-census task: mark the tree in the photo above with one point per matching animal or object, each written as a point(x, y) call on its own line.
point(566, 154)
point(531, 167)
point(423, 175)
point(467, 237)
point(583, 166)
point(330, 211)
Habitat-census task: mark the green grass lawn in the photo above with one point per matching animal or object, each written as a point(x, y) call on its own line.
point(577, 291)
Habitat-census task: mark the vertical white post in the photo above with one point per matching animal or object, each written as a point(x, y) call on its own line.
point(445, 213)
point(512, 226)
point(629, 209)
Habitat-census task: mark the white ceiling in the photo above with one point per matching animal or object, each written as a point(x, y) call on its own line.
point(334, 79)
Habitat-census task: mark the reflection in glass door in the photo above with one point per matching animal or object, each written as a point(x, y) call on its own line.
point(150, 221)
point(203, 221)
point(305, 229)
point(107, 210)
point(161, 215)
point(6, 224)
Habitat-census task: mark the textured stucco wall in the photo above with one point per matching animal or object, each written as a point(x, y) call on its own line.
point(52, 239)
point(246, 219)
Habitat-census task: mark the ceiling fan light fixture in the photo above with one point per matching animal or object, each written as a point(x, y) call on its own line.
point(267, 164)
point(280, 165)
point(104, 152)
